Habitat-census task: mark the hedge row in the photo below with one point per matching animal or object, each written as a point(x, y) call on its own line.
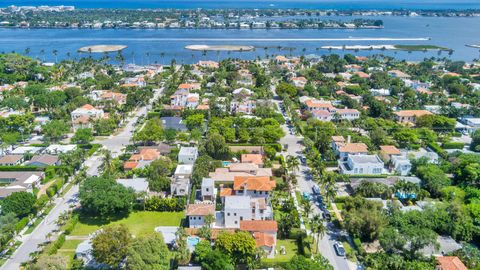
point(54, 188)
point(175, 204)
point(453, 145)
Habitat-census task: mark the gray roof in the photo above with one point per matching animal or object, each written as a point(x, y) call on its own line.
point(44, 159)
point(173, 123)
point(237, 202)
point(138, 184)
point(365, 158)
point(207, 182)
point(188, 151)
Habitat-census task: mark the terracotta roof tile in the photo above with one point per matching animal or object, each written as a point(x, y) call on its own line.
point(389, 150)
point(258, 225)
point(354, 148)
point(264, 239)
point(200, 209)
point(450, 263)
point(258, 183)
point(252, 158)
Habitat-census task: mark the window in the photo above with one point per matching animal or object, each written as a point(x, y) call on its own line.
point(236, 222)
point(228, 214)
point(254, 192)
point(241, 218)
point(206, 189)
point(235, 214)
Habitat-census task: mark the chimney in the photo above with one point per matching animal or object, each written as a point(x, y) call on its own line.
point(348, 138)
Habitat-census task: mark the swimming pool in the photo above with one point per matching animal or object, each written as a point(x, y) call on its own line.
point(226, 163)
point(192, 241)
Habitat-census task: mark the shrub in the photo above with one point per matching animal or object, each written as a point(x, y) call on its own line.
point(71, 224)
point(21, 224)
point(56, 245)
point(437, 149)
point(174, 204)
point(453, 145)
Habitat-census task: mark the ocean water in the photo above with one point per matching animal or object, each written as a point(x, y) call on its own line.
point(213, 4)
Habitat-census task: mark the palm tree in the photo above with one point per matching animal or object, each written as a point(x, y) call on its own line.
point(330, 192)
point(293, 163)
point(108, 166)
point(318, 229)
point(307, 208)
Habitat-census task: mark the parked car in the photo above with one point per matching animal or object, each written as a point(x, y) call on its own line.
point(316, 190)
point(306, 196)
point(339, 249)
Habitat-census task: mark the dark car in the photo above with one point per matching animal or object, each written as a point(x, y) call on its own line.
point(339, 249)
point(316, 190)
point(326, 215)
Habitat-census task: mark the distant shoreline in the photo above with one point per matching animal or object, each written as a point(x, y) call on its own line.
point(237, 48)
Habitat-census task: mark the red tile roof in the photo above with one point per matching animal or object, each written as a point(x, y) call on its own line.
point(450, 263)
point(258, 183)
point(252, 158)
point(258, 225)
point(264, 239)
point(200, 209)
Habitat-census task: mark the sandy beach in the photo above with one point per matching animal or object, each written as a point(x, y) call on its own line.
point(102, 48)
point(219, 48)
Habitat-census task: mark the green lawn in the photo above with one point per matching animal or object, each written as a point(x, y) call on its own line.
point(139, 223)
point(290, 248)
point(71, 244)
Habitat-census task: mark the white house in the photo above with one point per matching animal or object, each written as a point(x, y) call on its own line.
point(180, 183)
point(236, 209)
point(187, 155)
point(401, 165)
point(196, 214)
point(362, 164)
point(208, 189)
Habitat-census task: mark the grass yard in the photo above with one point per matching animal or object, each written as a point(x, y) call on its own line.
point(290, 248)
point(139, 223)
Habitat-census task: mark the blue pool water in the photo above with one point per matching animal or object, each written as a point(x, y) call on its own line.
point(226, 163)
point(192, 241)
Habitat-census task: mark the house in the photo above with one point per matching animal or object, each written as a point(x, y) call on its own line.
point(401, 164)
point(242, 93)
point(11, 160)
point(141, 159)
point(337, 142)
point(380, 92)
point(22, 150)
point(243, 106)
point(82, 117)
point(398, 74)
point(196, 214)
point(236, 209)
point(253, 186)
point(139, 185)
point(173, 122)
point(208, 64)
point(56, 149)
point(431, 156)
point(180, 183)
point(349, 149)
point(245, 78)
point(14, 181)
point(187, 155)
point(208, 190)
point(322, 115)
point(299, 82)
point(347, 114)
point(362, 164)
point(228, 173)
point(315, 104)
point(387, 151)
point(410, 116)
point(44, 161)
point(252, 158)
point(264, 232)
point(137, 81)
point(450, 263)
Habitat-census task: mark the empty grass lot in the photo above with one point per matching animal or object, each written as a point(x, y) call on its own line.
point(139, 223)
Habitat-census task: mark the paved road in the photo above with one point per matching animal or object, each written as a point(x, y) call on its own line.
point(295, 148)
point(31, 241)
